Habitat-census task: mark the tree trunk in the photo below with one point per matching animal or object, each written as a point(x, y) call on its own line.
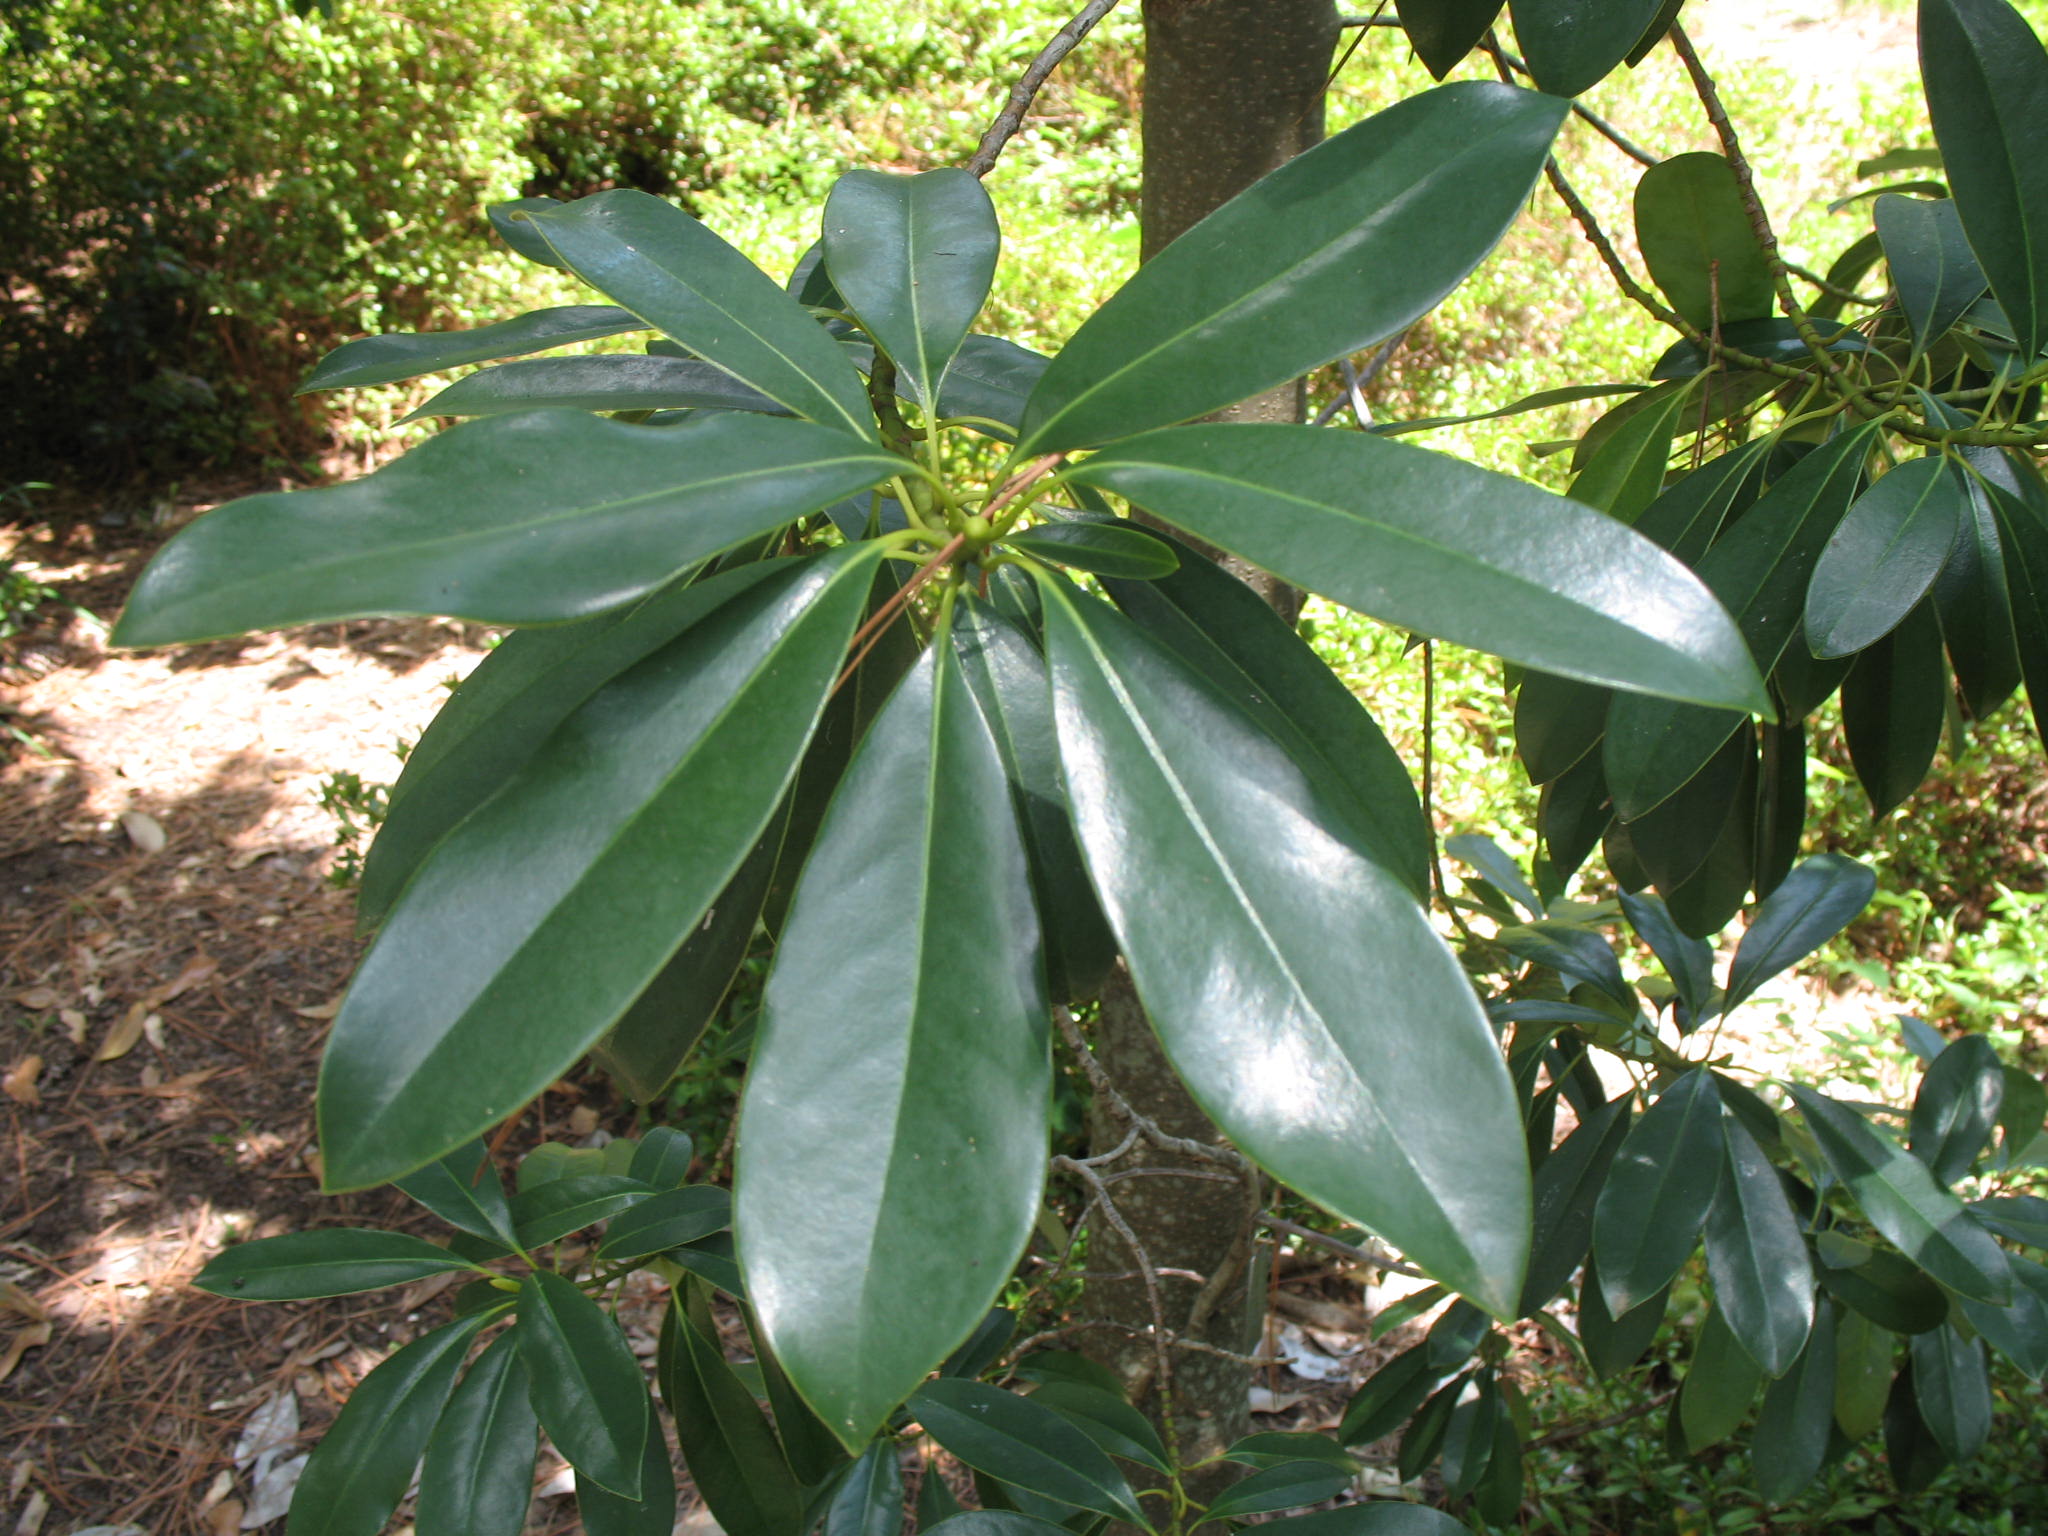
point(1233, 89)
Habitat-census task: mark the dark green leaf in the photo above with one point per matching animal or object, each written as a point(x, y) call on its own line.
point(1013, 1438)
point(1626, 473)
point(1887, 1290)
point(562, 1206)
point(587, 1387)
point(387, 359)
point(1775, 340)
point(1986, 77)
point(464, 1190)
point(1863, 1373)
point(1577, 954)
point(1271, 1448)
point(655, 260)
point(1469, 1436)
point(1894, 702)
point(364, 1463)
point(665, 1221)
point(1065, 1365)
point(1443, 548)
point(1498, 1498)
point(984, 1346)
point(1572, 813)
point(1913, 1455)
point(1340, 247)
point(1956, 1107)
point(1007, 676)
point(483, 988)
point(1759, 569)
point(991, 378)
point(1542, 400)
point(1107, 1419)
point(1424, 1436)
point(1287, 1486)
point(1613, 1344)
point(1780, 804)
point(1099, 548)
point(1816, 901)
point(606, 383)
point(990, 1522)
point(1676, 837)
point(1901, 1199)
point(1442, 32)
point(1975, 609)
point(1557, 723)
point(1952, 1389)
point(1657, 1194)
point(1572, 44)
point(1498, 866)
point(1689, 962)
point(519, 233)
point(2023, 1218)
point(1567, 1184)
point(1255, 935)
point(519, 519)
point(870, 1498)
point(1721, 1382)
point(1885, 555)
point(910, 964)
point(736, 1463)
point(1792, 1432)
point(1389, 1397)
point(1933, 270)
point(328, 1261)
point(913, 256)
point(1217, 623)
point(1756, 1254)
point(1386, 1517)
point(653, 1513)
point(1697, 240)
point(477, 1479)
point(2023, 536)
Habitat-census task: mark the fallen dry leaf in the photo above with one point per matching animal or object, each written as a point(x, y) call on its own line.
point(20, 1082)
point(37, 999)
point(74, 1025)
point(225, 1518)
point(35, 1336)
point(122, 1037)
point(15, 1299)
point(196, 970)
point(144, 831)
point(325, 1010)
point(32, 1514)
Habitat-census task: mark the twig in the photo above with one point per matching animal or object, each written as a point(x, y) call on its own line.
point(1507, 61)
point(1574, 1431)
point(1377, 1258)
point(1025, 91)
point(1162, 1361)
point(869, 634)
point(1374, 366)
point(1099, 1080)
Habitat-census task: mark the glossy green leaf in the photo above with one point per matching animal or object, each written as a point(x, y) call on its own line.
point(1817, 901)
point(1271, 1448)
point(1287, 1486)
point(1614, 1344)
point(1442, 548)
point(1626, 473)
point(504, 960)
point(870, 1497)
point(991, 1522)
point(587, 1387)
point(2023, 1218)
point(736, 1463)
point(521, 519)
point(653, 1513)
point(1572, 813)
point(1792, 1432)
point(1567, 1184)
point(653, 259)
point(1066, 1365)
point(1689, 962)
point(1756, 1256)
point(400, 355)
point(1498, 866)
point(663, 1158)
point(1721, 1382)
point(2023, 537)
point(1385, 1517)
point(607, 383)
point(1676, 837)
point(1442, 32)
point(909, 965)
point(991, 378)
point(1697, 240)
point(1912, 1454)
point(913, 256)
point(1389, 1397)
point(1658, 1192)
point(1107, 1419)
point(1986, 77)
point(1901, 1199)
point(327, 1261)
point(1886, 1289)
point(1423, 1439)
point(1577, 954)
point(505, 709)
point(1470, 1435)
point(665, 1221)
point(1013, 1438)
point(1957, 1107)
point(1256, 938)
point(1558, 721)
point(1571, 45)
point(1934, 272)
point(519, 233)
point(1759, 569)
point(2018, 1331)
point(1217, 623)
point(1101, 549)
point(1338, 248)
point(1863, 1373)
point(464, 1190)
point(364, 1463)
point(1885, 555)
point(1543, 399)
point(1894, 703)
point(562, 1206)
point(477, 1479)
point(1975, 609)
point(1008, 679)
point(1952, 1389)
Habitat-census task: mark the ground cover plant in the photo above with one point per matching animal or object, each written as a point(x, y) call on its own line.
point(794, 646)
